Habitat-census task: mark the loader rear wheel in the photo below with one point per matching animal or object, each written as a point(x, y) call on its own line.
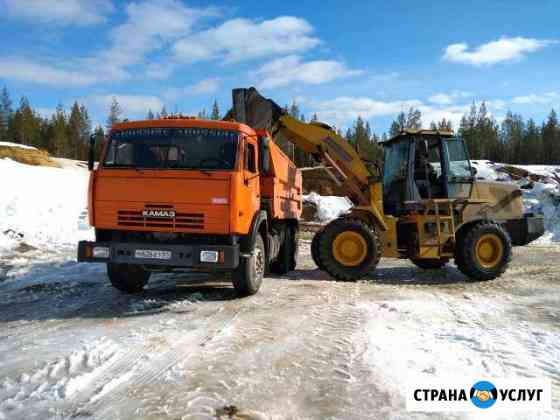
point(430, 264)
point(483, 252)
point(248, 276)
point(127, 278)
point(349, 249)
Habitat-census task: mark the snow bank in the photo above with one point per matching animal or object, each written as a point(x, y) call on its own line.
point(42, 206)
point(328, 207)
point(21, 146)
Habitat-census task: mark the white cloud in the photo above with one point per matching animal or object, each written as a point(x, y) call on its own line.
point(76, 12)
point(150, 26)
point(287, 70)
point(203, 87)
point(544, 99)
point(448, 98)
point(344, 109)
point(243, 39)
point(29, 71)
point(504, 49)
point(132, 105)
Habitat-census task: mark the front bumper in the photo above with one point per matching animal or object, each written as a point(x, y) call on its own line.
point(182, 256)
point(525, 230)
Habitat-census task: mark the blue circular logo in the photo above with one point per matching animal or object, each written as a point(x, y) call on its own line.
point(483, 394)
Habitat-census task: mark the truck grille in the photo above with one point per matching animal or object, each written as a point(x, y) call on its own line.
point(180, 221)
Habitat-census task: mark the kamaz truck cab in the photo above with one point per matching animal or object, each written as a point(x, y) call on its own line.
point(184, 193)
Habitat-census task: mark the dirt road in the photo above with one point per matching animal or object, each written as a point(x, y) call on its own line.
point(304, 347)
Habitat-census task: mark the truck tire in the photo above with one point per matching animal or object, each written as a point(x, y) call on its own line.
point(430, 264)
point(287, 255)
point(315, 250)
point(127, 278)
point(248, 276)
point(295, 249)
point(483, 252)
point(349, 249)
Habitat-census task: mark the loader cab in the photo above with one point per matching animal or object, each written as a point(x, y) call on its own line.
point(423, 165)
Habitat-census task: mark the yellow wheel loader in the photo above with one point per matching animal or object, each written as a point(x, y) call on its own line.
point(425, 205)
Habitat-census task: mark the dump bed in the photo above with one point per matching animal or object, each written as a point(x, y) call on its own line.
point(282, 186)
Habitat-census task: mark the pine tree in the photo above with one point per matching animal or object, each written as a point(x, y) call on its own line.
point(551, 139)
point(115, 114)
point(398, 125)
point(163, 112)
point(215, 111)
point(414, 119)
point(150, 115)
point(99, 137)
point(5, 113)
point(203, 115)
point(59, 132)
point(73, 147)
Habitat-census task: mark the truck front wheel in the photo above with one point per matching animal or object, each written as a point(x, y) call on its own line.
point(248, 276)
point(127, 278)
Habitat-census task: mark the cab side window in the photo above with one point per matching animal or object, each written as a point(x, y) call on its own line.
point(250, 158)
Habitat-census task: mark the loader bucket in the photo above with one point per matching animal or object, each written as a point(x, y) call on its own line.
point(251, 108)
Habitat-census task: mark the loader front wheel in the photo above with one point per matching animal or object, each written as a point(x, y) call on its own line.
point(349, 249)
point(483, 252)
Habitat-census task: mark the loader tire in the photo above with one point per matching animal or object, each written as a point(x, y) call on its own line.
point(247, 277)
point(287, 255)
point(430, 264)
point(349, 249)
point(128, 278)
point(483, 252)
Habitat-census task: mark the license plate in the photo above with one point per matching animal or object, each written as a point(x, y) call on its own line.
point(152, 254)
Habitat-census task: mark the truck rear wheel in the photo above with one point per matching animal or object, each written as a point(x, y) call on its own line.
point(483, 252)
point(128, 278)
point(430, 264)
point(349, 249)
point(315, 250)
point(287, 255)
point(248, 276)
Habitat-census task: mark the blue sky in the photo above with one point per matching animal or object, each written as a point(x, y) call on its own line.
point(337, 59)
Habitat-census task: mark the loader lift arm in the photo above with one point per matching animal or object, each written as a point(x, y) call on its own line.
point(346, 167)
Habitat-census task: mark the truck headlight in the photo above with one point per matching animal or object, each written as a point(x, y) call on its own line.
point(209, 256)
point(100, 252)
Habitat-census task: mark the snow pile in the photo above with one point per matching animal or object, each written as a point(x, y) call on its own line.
point(328, 207)
point(21, 146)
point(42, 206)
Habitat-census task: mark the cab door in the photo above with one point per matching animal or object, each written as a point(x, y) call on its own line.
point(249, 200)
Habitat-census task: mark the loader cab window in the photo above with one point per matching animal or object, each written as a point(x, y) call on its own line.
point(250, 158)
point(428, 169)
point(395, 174)
point(459, 172)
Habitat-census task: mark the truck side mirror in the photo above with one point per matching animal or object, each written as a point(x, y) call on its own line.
point(91, 153)
point(264, 154)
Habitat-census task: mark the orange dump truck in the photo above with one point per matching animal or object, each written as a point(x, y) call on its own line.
point(190, 194)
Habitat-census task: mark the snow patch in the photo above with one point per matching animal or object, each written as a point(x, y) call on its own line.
point(42, 206)
point(328, 207)
point(21, 146)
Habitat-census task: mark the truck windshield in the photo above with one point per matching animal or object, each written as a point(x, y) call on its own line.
point(172, 148)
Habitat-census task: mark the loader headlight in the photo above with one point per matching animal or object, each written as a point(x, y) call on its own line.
point(100, 252)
